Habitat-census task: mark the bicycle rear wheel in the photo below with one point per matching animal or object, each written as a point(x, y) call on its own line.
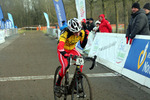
point(63, 87)
point(82, 88)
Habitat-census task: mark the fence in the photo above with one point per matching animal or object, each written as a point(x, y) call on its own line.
point(132, 61)
point(6, 33)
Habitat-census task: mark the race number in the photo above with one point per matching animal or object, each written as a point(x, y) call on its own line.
point(79, 61)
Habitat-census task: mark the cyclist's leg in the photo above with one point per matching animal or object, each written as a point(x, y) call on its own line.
point(63, 61)
point(76, 52)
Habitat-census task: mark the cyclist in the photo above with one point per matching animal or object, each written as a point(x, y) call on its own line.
point(66, 46)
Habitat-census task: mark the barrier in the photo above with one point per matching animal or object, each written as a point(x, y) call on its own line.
point(2, 36)
point(138, 61)
point(132, 61)
point(129, 60)
point(7, 33)
point(55, 33)
point(89, 42)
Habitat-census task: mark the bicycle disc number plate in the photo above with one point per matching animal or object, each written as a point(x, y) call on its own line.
point(79, 61)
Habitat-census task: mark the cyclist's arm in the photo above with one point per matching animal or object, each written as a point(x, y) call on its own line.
point(83, 39)
point(61, 44)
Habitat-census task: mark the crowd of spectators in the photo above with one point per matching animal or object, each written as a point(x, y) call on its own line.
point(139, 23)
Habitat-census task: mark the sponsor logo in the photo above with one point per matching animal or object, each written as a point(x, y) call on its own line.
point(143, 54)
point(143, 60)
point(122, 48)
point(82, 9)
point(108, 46)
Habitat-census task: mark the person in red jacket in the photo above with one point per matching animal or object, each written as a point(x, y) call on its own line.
point(105, 25)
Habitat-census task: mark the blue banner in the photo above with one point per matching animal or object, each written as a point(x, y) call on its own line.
point(79, 46)
point(11, 19)
point(47, 19)
point(1, 13)
point(59, 7)
point(138, 59)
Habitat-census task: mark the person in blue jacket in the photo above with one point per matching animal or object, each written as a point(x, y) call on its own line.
point(64, 25)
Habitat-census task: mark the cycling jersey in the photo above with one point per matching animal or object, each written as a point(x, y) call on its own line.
point(66, 46)
point(70, 42)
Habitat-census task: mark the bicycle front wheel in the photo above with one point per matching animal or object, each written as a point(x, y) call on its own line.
point(63, 86)
point(82, 88)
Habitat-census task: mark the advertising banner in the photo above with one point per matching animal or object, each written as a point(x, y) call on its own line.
point(81, 9)
point(60, 11)
point(2, 36)
point(11, 19)
point(111, 48)
point(89, 42)
point(138, 59)
point(47, 19)
point(1, 13)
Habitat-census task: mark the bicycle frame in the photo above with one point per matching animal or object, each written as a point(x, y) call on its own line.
point(76, 82)
point(69, 87)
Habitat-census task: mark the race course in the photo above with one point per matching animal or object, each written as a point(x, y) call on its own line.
point(27, 65)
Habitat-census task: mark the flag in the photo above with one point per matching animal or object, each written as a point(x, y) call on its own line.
point(47, 19)
point(81, 9)
point(60, 11)
point(1, 13)
point(11, 19)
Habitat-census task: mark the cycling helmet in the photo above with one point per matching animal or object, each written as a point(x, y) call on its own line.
point(74, 25)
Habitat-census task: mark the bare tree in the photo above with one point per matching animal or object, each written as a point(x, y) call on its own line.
point(103, 7)
point(125, 15)
point(116, 15)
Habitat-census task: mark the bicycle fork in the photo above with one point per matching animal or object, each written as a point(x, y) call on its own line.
point(79, 86)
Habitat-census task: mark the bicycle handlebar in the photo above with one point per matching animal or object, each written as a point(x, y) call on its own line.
point(85, 58)
point(93, 64)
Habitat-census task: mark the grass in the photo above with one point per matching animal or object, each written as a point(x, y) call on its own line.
point(44, 31)
point(21, 31)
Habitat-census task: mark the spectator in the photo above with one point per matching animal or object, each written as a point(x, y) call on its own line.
point(96, 28)
point(84, 27)
point(16, 26)
point(87, 23)
point(105, 25)
point(39, 27)
point(138, 23)
point(56, 26)
point(91, 24)
point(147, 11)
point(64, 25)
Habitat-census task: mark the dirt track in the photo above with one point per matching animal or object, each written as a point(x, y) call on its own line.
point(34, 54)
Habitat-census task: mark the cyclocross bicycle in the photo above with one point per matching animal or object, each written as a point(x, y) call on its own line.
point(79, 87)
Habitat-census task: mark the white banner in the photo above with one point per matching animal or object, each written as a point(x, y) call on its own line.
point(111, 50)
point(89, 42)
point(81, 9)
point(2, 36)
